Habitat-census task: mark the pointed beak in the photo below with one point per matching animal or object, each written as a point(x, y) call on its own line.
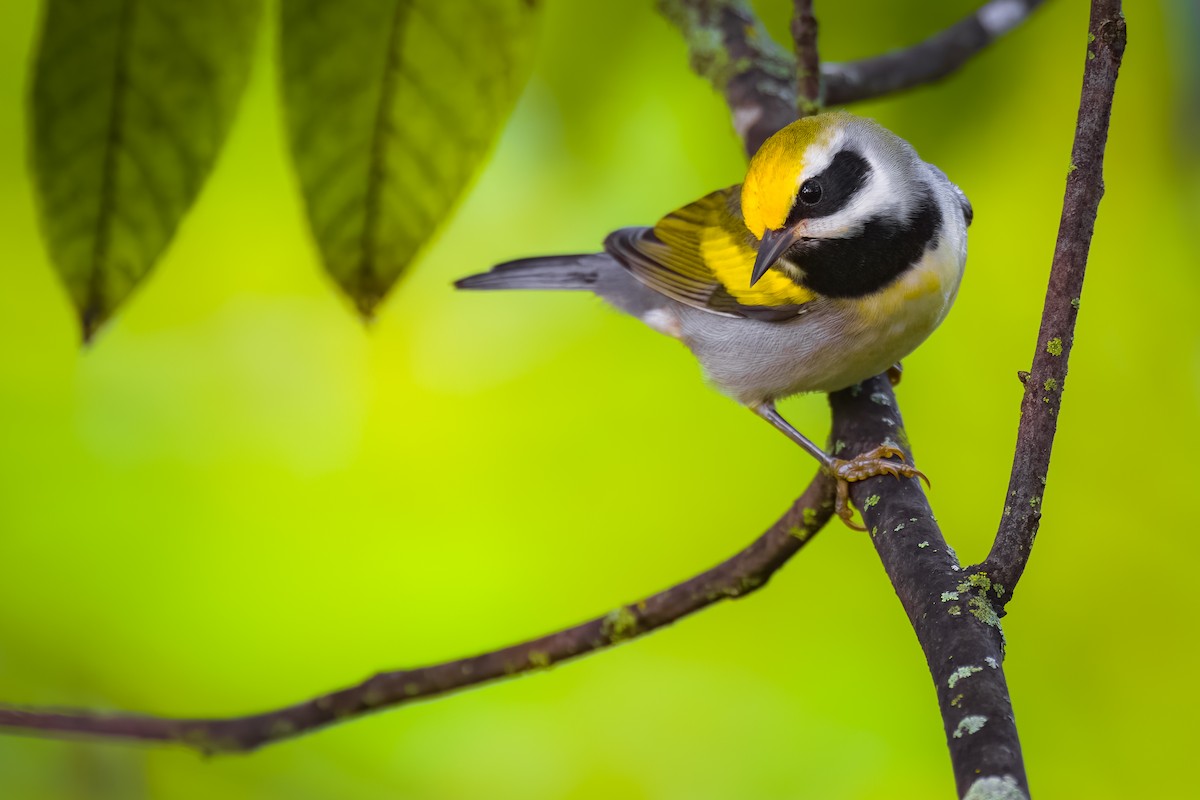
point(772, 247)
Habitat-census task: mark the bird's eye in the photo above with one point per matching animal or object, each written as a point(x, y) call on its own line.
point(810, 192)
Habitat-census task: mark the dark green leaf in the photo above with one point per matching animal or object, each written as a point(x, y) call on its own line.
point(131, 102)
point(391, 106)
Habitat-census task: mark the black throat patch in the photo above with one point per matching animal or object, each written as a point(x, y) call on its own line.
point(876, 256)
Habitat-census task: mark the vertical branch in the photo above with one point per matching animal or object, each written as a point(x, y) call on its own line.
point(951, 608)
point(1045, 381)
point(809, 95)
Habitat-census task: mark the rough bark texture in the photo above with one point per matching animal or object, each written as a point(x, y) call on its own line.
point(729, 46)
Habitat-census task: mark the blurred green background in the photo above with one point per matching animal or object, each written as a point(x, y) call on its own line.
point(238, 497)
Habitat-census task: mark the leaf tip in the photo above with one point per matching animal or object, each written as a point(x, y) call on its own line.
point(367, 303)
point(91, 318)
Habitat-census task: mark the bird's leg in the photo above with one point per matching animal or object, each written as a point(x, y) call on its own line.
point(861, 467)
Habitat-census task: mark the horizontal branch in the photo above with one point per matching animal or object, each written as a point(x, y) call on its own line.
point(736, 577)
point(933, 59)
point(729, 46)
point(1046, 379)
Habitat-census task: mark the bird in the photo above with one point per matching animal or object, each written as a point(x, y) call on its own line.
point(837, 255)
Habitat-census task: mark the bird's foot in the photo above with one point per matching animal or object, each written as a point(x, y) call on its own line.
point(868, 465)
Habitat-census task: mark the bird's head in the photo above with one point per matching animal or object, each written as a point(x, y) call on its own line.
point(823, 178)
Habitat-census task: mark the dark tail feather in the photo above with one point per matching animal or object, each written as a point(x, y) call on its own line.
point(545, 272)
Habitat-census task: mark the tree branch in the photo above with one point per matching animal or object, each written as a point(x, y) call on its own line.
point(950, 608)
point(1046, 380)
point(955, 612)
point(728, 45)
point(736, 577)
point(933, 59)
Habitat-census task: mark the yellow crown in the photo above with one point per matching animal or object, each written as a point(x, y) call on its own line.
point(773, 177)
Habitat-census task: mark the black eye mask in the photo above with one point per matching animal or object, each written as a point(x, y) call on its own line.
point(839, 182)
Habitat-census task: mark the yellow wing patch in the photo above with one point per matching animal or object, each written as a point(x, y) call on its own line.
point(702, 255)
point(732, 261)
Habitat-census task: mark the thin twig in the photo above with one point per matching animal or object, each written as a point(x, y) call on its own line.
point(809, 98)
point(933, 59)
point(1045, 381)
point(736, 577)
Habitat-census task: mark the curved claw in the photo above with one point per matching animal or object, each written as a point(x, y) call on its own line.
point(842, 506)
point(869, 465)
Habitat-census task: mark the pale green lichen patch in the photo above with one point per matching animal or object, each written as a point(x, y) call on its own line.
point(810, 517)
point(991, 662)
point(1072, 168)
point(981, 608)
point(1050, 385)
point(800, 532)
point(898, 528)
point(539, 659)
point(969, 725)
point(957, 699)
point(1075, 303)
point(746, 584)
point(977, 580)
point(880, 399)
point(838, 446)
point(923, 545)
point(808, 108)
point(960, 673)
point(619, 624)
point(1054, 347)
point(955, 611)
point(872, 501)
point(995, 788)
point(281, 728)
point(948, 596)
